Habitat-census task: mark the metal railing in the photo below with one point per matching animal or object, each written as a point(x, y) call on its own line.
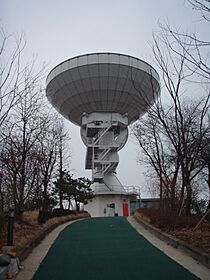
point(129, 190)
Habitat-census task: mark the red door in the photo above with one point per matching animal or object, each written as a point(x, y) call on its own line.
point(125, 209)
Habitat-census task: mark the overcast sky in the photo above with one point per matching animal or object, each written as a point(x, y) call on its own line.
point(57, 30)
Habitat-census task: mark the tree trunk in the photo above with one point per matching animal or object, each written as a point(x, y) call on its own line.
point(1, 197)
point(45, 197)
point(173, 188)
point(61, 176)
point(22, 172)
point(188, 198)
point(161, 192)
point(207, 209)
point(181, 200)
point(61, 193)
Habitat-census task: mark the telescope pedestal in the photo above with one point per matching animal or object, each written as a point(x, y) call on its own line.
point(104, 134)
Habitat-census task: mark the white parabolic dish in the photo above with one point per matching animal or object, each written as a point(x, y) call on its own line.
point(102, 82)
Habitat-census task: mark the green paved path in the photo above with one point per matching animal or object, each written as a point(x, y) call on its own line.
point(106, 248)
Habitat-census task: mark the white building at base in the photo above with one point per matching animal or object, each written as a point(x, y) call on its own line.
point(108, 203)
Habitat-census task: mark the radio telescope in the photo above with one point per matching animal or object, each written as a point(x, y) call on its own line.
point(103, 93)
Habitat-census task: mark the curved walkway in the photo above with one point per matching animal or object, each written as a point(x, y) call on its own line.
point(106, 248)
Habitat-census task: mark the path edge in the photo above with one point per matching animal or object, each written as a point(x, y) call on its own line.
point(24, 252)
point(192, 251)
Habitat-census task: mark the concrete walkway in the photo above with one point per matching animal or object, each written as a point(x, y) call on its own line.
point(104, 248)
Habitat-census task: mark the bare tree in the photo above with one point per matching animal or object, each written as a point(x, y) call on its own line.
point(10, 74)
point(13, 81)
point(195, 52)
point(32, 137)
point(159, 155)
point(192, 46)
point(183, 124)
point(63, 138)
point(21, 133)
point(203, 6)
point(205, 157)
point(52, 154)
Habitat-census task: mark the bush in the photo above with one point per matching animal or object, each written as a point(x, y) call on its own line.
point(46, 215)
point(57, 212)
point(169, 219)
point(30, 217)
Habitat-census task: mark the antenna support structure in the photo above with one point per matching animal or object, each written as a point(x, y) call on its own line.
point(104, 93)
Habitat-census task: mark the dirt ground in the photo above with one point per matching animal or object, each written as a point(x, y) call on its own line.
point(29, 228)
point(199, 238)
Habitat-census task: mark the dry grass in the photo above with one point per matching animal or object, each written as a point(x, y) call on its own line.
point(30, 217)
point(29, 228)
point(179, 227)
point(168, 220)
